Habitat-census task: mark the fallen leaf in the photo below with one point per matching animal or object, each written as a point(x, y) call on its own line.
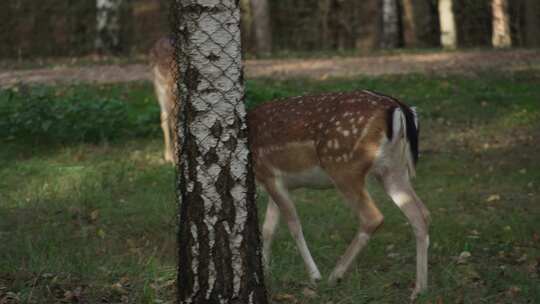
point(119, 288)
point(522, 259)
point(94, 215)
point(493, 197)
point(463, 257)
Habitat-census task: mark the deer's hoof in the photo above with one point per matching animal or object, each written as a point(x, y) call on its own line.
point(334, 279)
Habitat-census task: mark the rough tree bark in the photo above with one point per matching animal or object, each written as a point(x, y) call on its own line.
point(219, 255)
point(261, 26)
point(532, 23)
point(448, 24)
point(390, 24)
point(107, 26)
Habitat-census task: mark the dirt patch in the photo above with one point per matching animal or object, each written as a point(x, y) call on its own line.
point(439, 62)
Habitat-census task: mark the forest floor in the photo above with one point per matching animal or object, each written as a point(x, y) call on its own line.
point(65, 71)
point(86, 221)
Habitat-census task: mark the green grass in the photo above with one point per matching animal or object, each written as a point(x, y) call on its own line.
point(98, 219)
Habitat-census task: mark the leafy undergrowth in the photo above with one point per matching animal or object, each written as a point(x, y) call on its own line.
point(93, 221)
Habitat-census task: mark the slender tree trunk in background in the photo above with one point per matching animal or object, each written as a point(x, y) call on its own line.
point(448, 25)
point(261, 24)
point(390, 19)
point(324, 17)
point(219, 245)
point(501, 24)
point(107, 26)
point(246, 22)
point(532, 23)
point(410, 38)
point(368, 32)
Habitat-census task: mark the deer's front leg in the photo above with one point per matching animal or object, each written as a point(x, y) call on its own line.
point(280, 195)
point(369, 217)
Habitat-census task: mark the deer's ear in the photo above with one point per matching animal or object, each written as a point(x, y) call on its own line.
point(415, 113)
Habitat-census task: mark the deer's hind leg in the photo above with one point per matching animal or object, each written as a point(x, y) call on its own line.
point(398, 187)
point(352, 187)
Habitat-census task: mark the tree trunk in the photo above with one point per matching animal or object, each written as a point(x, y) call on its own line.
point(368, 32)
point(409, 24)
point(501, 24)
point(532, 23)
point(448, 24)
point(246, 23)
point(219, 254)
point(261, 26)
point(107, 26)
point(390, 19)
point(324, 17)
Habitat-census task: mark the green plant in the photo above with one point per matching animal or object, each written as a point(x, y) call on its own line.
point(43, 115)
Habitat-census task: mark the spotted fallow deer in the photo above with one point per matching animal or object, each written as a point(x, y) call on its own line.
point(337, 140)
point(163, 68)
point(322, 141)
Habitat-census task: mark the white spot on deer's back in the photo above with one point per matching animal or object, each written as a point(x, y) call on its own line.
point(336, 144)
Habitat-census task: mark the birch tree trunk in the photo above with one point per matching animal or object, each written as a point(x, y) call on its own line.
point(107, 26)
point(390, 24)
point(261, 26)
point(501, 24)
point(448, 24)
point(532, 23)
point(219, 255)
